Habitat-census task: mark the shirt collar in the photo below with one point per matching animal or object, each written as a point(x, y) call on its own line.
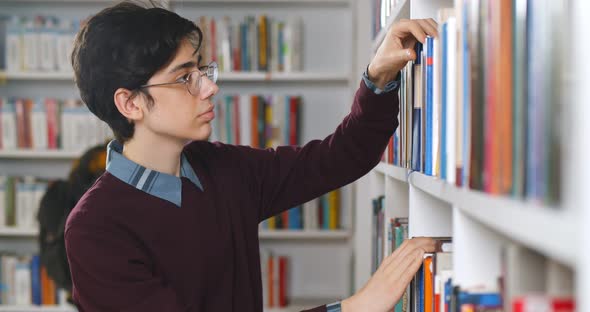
point(162, 185)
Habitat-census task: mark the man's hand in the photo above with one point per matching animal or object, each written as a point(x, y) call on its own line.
point(389, 282)
point(397, 48)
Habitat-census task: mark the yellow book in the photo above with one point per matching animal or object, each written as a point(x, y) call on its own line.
point(268, 123)
point(262, 42)
point(272, 223)
point(333, 204)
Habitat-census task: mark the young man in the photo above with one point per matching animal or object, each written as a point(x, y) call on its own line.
point(173, 223)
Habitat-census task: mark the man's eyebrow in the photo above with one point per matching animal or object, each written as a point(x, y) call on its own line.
point(188, 64)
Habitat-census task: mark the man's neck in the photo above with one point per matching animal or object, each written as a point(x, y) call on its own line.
point(154, 152)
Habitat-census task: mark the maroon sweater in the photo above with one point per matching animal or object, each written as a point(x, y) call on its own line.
point(131, 251)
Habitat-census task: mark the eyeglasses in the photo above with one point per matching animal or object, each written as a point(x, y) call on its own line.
point(192, 80)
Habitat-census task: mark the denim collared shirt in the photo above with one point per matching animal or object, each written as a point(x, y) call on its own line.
point(162, 185)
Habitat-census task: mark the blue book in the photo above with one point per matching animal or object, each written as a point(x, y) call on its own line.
point(448, 295)
point(443, 136)
point(416, 135)
point(36, 279)
point(287, 127)
point(228, 119)
point(464, 174)
point(429, 105)
point(295, 218)
point(420, 289)
point(325, 212)
point(483, 300)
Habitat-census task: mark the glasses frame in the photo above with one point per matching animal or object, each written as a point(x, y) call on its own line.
point(211, 71)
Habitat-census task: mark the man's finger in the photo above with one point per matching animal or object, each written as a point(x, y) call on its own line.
point(433, 23)
point(428, 28)
point(413, 27)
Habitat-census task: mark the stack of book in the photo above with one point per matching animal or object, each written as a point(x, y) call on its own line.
point(480, 105)
point(258, 43)
point(49, 124)
point(25, 282)
point(20, 198)
point(275, 279)
point(42, 43)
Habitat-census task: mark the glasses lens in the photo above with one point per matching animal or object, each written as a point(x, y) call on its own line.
point(212, 72)
point(194, 83)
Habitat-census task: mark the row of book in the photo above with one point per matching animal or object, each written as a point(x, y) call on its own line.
point(275, 279)
point(381, 11)
point(257, 43)
point(480, 106)
point(322, 213)
point(24, 282)
point(387, 236)
point(528, 281)
point(49, 124)
point(20, 198)
point(42, 43)
point(257, 120)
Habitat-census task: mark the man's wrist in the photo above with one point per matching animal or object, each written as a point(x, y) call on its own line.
point(380, 78)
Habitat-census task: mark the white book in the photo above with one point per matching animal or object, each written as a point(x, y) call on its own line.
point(23, 287)
point(264, 255)
point(39, 191)
point(245, 109)
point(31, 46)
point(436, 106)
point(64, 45)
point(48, 45)
point(451, 131)
point(8, 279)
point(288, 47)
point(39, 125)
point(8, 124)
point(25, 202)
point(14, 49)
point(274, 46)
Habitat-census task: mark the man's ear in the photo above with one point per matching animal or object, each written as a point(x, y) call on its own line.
point(128, 106)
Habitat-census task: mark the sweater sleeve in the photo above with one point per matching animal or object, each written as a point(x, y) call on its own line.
point(288, 176)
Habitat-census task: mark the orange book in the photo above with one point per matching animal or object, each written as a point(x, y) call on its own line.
point(428, 285)
point(48, 291)
point(505, 84)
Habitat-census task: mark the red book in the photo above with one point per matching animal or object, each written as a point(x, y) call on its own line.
point(19, 107)
point(293, 112)
point(52, 123)
point(213, 42)
point(282, 281)
point(254, 130)
point(543, 304)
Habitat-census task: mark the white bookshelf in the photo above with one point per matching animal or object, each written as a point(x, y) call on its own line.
point(223, 76)
point(482, 224)
point(39, 154)
point(308, 235)
point(401, 10)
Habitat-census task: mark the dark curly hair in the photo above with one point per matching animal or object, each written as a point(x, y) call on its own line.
point(123, 46)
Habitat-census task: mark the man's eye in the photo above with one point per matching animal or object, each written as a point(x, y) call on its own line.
point(184, 78)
